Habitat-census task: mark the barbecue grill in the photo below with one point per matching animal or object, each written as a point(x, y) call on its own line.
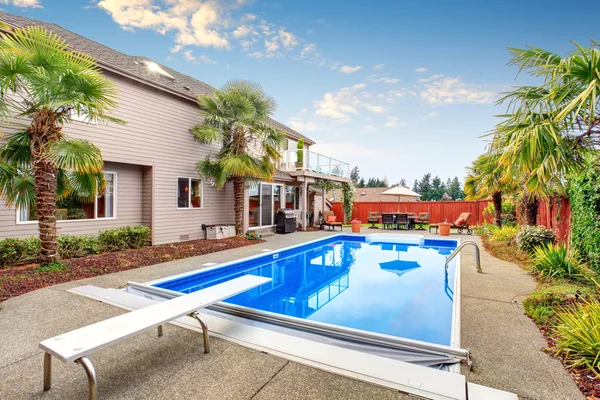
point(285, 220)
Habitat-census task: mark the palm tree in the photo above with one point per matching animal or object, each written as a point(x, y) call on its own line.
point(42, 84)
point(549, 129)
point(485, 178)
point(237, 117)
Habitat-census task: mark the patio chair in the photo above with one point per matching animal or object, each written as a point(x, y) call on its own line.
point(387, 220)
point(421, 220)
point(331, 225)
point(373, 218)
point(461, 223)
point(402, 220)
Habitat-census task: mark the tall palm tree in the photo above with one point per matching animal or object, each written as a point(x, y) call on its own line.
point(486, 178)
point(42, 83)
point(550, 128)
point(237, 117)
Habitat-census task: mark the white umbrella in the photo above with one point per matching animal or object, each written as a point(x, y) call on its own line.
point(400, 191)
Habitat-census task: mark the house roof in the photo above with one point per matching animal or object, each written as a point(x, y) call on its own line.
point(369, 195)
point(133, 66)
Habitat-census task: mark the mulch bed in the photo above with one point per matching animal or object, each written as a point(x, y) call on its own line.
point(26, 278)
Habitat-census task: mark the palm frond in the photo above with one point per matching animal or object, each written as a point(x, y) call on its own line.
point(16, 186)
point(75, 155)
point(16, 150)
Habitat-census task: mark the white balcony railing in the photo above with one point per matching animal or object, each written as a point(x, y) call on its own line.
point(314, 162)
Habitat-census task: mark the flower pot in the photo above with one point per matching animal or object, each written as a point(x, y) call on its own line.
point(355, 226)
point(445, 229)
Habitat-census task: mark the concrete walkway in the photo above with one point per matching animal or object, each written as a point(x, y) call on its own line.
point(506, 346)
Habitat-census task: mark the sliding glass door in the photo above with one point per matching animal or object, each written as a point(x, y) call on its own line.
point(265, 200)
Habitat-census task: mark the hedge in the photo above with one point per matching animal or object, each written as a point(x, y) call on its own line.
point(18, 251)
point(584, 195)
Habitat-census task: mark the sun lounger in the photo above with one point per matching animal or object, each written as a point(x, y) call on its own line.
point(373, 219)
point(77, 345)
point(462, 226)
point(331, 225)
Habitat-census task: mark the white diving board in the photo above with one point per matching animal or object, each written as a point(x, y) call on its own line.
point(77, 344)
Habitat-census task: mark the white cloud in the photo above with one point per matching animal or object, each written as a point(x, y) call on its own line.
point(348, 69)
point(288, 39)
point(308, 50)
point(346, 102)
point(23, 3)
point(375, 109)
point(378, 67)
point(448, 90)
point(242, 31)
point(421, 69)
point(385, 79)
point(432, 114)
point(202, 59)
point(392, 122)
point(431, 78)
point(370, 129)
point(300, 124)
point(176, 48)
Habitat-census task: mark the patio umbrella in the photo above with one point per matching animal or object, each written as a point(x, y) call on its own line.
point(399, 267)
point(401, 191)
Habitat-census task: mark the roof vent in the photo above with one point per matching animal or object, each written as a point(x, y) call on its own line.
point(187, 88)
point(363, 194)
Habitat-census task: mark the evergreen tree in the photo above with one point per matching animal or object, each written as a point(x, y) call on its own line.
point(455, 189)
point(362, 183)
point(355, 175)
point(425, 187)
point(416, 187)
point(437, 188)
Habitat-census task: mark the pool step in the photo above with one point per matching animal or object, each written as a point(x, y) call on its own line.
point(410, 378)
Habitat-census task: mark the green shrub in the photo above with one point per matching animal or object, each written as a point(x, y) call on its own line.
point(15, 251)
point(578, 335)
point(504, 234)
point(70, 246)
point(542, 304)
point(584, 196)
point(56, 266)
point(555, 261)
point(129, 237)
point(530, 237)
point(509, 208)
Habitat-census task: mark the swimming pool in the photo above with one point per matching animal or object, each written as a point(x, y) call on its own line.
point(376, 284)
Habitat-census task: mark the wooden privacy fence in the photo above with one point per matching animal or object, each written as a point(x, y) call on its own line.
point(554, 214)
point(439, 210)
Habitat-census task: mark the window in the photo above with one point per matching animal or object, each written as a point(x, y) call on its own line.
point(189, 193)
point(71, 208)
point(292, 197)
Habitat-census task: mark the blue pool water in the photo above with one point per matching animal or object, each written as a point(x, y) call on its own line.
point(394, 289)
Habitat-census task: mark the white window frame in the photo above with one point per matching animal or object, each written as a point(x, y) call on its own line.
point(296, 190)
point(60, 221)
point(281, 190)
point(189, 207)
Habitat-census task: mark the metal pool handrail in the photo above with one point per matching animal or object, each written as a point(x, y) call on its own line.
point(460, 247)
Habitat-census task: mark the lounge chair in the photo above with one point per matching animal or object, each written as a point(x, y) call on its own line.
point(373, 218)
point(402, 220)
point(77, 345)
point(461, 223)
point(421, 220)
point(331, 225)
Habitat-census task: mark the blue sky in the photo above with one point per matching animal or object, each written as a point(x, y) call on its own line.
point(399, 88)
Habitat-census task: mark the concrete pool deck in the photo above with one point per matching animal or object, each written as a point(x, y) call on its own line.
point(506, 346)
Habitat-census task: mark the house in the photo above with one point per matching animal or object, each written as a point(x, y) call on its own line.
point(150, 161)
point(374, 195)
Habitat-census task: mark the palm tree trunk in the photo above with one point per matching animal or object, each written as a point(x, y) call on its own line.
point(45, 197)
point(238, 196)
point(43, 130)
point(531, 209)
point(497, 200)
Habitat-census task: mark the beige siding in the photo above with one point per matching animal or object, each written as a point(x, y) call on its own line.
point(156, 134)
point(128, 191)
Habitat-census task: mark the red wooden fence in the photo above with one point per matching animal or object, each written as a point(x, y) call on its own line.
point(439, 210)
point(554, 214)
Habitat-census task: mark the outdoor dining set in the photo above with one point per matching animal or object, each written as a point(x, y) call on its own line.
point(399, 220)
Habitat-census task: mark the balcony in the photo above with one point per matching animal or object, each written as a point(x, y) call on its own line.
point(315, 165)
